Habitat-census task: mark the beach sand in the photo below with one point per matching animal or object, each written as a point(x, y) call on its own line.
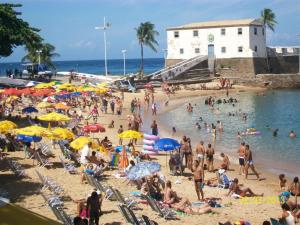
point(25, 192)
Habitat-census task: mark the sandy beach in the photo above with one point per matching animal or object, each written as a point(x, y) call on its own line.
point(26, 192)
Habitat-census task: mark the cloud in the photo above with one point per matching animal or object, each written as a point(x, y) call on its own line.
point(82, 44)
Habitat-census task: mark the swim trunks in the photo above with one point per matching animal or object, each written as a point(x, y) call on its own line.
point(242, 161)
point(250, 162)
point(199, 183)
point(200, 156)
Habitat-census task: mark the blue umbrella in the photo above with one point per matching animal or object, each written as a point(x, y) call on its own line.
point(75, 94)
point(166, 144)
point(120, 147)
point(25, 138)
point(143, 169)
point(63, 96)
point(29, 109)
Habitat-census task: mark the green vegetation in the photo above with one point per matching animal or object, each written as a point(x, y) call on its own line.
point(146, 34)
point(15, 31)
point(46, 54)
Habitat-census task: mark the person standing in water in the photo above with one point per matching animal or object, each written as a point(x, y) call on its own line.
point(249, 162)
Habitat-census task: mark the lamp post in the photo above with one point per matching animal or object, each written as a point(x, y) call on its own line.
point(124, 61)
point(39, 52)
point(104, 28)
point(165, 56)
point(299, 56)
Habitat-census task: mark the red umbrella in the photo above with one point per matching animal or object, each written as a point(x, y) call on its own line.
point(43, 92)
point(149, 86)
point(93, 128)
point(63, 93)
point(11, 91)
point(26, 91)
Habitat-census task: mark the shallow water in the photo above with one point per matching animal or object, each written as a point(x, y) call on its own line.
point(276, 109)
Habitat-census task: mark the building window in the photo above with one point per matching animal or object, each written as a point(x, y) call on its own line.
point(240, 31)
point(223, 49)
point(181, 51)
point(195, 33)
point(240, 49)
point(176, 34)
point(255, 48)
point(197, 50)
point(255, 30)
point(263, 31)
point(223, 31)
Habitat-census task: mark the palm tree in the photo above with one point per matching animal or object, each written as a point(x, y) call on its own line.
point(268, 20)
point(146, 34)
point(46, 54)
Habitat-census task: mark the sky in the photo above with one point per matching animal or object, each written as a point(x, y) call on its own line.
point(69, 25)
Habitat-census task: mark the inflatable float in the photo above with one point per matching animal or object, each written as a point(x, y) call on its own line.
point(148, 142)
point(151, 137)
point(150, 152)
point(148, 147)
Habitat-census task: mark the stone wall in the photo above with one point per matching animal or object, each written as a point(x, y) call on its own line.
point(279, 80)
point(284, 64)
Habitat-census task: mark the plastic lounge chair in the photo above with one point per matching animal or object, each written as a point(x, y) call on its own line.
point(224, 181)
point(97, 184)
point(125, 214)
point(165, 212)
point(69, 167)
point(129, 215)
point(120, 198)
point(42, 162)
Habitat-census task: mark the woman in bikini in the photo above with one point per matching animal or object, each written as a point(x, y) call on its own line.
point(246, 192)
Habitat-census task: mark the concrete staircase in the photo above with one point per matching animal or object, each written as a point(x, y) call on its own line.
point(194, 68)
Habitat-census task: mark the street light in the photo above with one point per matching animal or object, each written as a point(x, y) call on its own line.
point(39, 52)
point(165, 56)
point(104, 28)
point(124, 61)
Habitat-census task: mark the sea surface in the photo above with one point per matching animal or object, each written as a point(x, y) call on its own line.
point(115, 66)
point(278, 109)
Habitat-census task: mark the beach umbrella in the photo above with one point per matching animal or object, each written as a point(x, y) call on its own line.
point(29, 109)
point(101, 90)
point(80, 142)
point(75, 94)
point(31, 83)
point(6, 126)
point(62, 134)
point(93, 128)
point(12, 214)
point(54, 116)
point(25, 138)
point(143, 169)
point(43, 105)
point(11, 91)
point(102, 85)
point(166, 144)
point(44, 85)
point(33, 131)
point(130, 134)
point(26, 91)
point(120, 148)
point(123, 158)
point(61, 106)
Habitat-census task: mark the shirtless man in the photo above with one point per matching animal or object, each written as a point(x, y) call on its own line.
point(249, 162)
point(210, 158)
point(246, 192)
point(241, 152)
point(200, 151)
point(225, 163)
point(198, 179)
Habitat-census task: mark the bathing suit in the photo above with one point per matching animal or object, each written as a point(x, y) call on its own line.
point(200, 156)
point(250, 162)
point(242, 161)
point(199, 183)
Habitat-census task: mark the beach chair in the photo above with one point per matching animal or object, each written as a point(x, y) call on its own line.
point(16, 168)
point(46, 149)
point(69, 167)
point(164, 212)
point(129, 215)
point(42, 162)
point(147, 221)
point(120, 198)
point(224, 181)
point(97, 184)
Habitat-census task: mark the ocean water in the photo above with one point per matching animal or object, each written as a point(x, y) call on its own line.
point(278, 109)
point(115, 66)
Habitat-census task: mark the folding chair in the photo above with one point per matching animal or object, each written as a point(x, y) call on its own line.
point(42, 162)
point(164, 212)
point(69, 167)
point(120, 198)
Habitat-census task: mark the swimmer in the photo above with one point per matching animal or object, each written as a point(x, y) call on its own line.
point(275, 132)
point(238, 135)
point(200, 119)
point(292, 134)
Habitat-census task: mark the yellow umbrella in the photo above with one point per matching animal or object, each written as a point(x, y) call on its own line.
point(101, 85)
point(44, 105)
point(12, 214)
point(43, 85)
point(80, 142)
point(54, 117)
point(34, 131)
point(6, 126)
point(101, 90)
point(62, 134)
point(11, 98)
point(65, 85)
point(130, 134)
point(62, 106)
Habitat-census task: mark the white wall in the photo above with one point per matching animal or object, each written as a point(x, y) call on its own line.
point(231, 40)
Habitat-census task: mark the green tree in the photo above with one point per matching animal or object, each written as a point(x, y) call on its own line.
point(267, 17)
point(15, 31)
point(146, 34)
point(46, 54)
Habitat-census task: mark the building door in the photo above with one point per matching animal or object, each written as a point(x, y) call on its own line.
point(211, 51)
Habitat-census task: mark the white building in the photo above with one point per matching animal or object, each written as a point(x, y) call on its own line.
point(224, 39)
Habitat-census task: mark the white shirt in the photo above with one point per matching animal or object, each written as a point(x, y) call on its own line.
point(85, 152)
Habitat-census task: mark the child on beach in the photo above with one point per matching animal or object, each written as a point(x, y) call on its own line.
point(282, 182)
